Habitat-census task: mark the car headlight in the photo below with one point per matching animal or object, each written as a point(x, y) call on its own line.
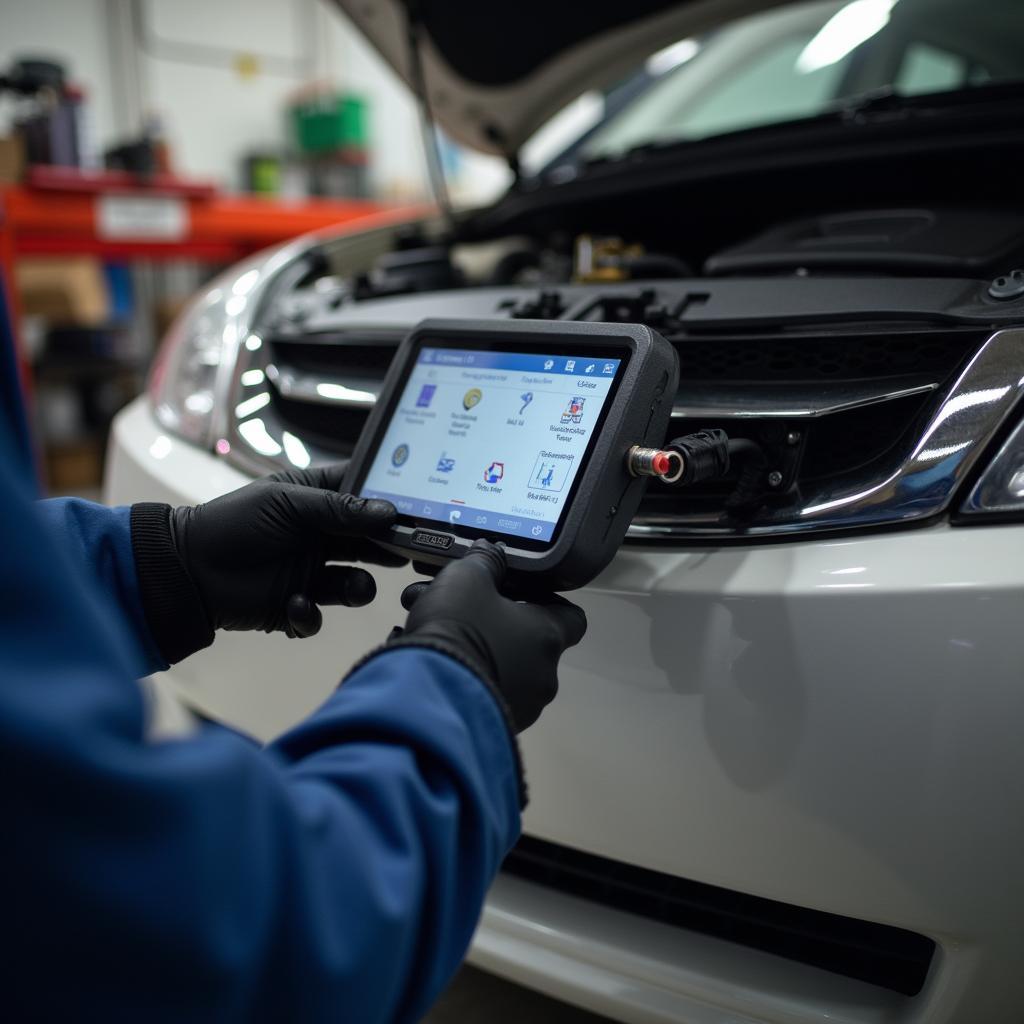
point(191, 374)
point(999, 490)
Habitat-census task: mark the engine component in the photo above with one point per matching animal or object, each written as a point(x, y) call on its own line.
point(410, 270)
point(608, 260)
point(910, 241)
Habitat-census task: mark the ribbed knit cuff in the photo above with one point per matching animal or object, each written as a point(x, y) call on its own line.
point(170, 600)
point(430, 643)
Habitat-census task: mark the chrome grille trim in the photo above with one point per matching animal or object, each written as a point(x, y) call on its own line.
point(789, 402)
point(351, 391)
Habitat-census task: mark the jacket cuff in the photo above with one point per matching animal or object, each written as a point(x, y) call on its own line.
point(430, 643)
point(171, 602)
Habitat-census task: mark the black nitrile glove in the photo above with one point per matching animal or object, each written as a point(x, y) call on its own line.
point(255, 558)
point(514, 646)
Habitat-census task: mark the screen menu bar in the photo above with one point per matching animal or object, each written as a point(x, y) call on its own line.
point(520, 362)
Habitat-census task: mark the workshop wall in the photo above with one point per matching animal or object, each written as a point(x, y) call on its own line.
point(218, 76)
point(257, 52)
point(73, 32)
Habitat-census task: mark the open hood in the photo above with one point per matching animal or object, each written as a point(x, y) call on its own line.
point(494, 73)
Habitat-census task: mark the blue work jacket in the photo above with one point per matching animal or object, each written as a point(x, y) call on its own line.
point(336, 875)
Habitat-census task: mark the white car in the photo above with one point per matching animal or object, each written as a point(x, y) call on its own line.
point(784, 777)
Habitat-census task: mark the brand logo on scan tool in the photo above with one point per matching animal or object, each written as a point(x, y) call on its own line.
point(430, 539)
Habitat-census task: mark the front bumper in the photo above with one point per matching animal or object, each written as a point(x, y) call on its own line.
point(829, 723)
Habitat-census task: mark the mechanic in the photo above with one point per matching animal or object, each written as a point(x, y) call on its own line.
point(337, 874)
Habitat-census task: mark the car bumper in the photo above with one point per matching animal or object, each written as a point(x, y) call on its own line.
point(833, 724)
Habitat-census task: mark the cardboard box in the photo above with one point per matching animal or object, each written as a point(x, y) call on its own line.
point(165, 312)
point(70, 290)
point(12, 159)
point(74, 466)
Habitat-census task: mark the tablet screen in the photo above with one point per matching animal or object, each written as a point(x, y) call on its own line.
point(492, 441)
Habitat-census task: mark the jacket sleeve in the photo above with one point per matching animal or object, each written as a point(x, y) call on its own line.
point(97, 539)
point(337, 875)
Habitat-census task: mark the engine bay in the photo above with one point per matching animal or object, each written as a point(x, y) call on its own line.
point(793, 340)
point(902, 242)
point(828, 301)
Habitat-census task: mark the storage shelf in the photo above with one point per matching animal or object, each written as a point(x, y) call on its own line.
point(64, 211)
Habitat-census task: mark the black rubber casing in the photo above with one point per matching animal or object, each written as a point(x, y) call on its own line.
point(605, 496)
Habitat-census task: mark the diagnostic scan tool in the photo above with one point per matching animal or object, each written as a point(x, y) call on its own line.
point(520, 432)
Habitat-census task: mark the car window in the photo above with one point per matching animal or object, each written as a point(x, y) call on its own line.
point(804, 59)
point(928, 69)
point(770, 88)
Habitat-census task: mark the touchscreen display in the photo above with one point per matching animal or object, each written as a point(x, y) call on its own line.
point(490, 440)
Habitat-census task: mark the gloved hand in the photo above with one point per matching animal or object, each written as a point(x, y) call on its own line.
point(255, 558)
point(514, 646)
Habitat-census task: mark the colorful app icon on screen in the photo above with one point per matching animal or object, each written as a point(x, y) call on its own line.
point(574, 410)
point(550, 473)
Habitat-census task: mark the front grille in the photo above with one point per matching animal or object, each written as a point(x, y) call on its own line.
point(332, 430)
point(832, 447)
point(892, 958)
point(902, 369)
point(850, 442)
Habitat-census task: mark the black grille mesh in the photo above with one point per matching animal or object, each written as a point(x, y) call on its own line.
point(331, 428)
point(334, 355)
point(892, 958)
point(789, 359)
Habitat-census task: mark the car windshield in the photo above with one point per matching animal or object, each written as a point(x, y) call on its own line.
point(794, 62)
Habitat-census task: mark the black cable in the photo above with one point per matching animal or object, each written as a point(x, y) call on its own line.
point(751, 478)
point(709, 454)
point(705, 456)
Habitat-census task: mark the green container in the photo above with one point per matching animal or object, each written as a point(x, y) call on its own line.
point(264, 174)
point(330, 123)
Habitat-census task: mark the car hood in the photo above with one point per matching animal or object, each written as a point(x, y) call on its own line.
point(495, 73)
